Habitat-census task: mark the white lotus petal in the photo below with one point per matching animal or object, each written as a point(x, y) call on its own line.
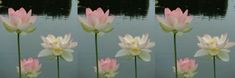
point(45, 52)
point(201, 52)
point(122, 52)
point(225, 50)
point(224, 56)
point(229, 44)
point(67, 56)
point(145, 56)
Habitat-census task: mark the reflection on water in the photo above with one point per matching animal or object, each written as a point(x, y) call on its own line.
point(54, 8)
point(210, 8)
point(130, 8)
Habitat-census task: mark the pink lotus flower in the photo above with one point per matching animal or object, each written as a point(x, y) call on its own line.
point(19, 21)
point(96, 21)
point(108, 67)
point(187, 67)
point(175, 21)
point(30, 67)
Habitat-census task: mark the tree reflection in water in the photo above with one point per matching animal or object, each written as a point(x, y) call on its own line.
point(210, 8)
point(132, 8)
point(54, 8)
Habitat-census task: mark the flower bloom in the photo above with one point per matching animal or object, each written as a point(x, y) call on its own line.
point(214, 46)
point(186, 67)
point(30, 67)
point(19, 21)
point(175, 21)
point(135, 46)
point(96, 21)
point(58, 46)
point(108, 67)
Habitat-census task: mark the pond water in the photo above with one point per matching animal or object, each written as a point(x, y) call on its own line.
point(135, 17)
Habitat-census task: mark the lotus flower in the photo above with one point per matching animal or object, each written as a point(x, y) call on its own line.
point(58, 46)
point(214, 46)
point(135, 46)
point(19, 21)
point(186, 67)
point(30, 68)
point(175, 21)
point(108, 67)
point(96, 21)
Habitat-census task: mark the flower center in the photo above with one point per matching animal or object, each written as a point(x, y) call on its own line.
point(213, 43)
point(135, 51)
point(57, 51)
point(214, 51)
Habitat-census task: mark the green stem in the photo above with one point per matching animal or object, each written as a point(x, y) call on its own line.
point(58, 66)
point(19, 53)
point(97, 56)
point(135, 66)
point(175, 53)
point(214, 63)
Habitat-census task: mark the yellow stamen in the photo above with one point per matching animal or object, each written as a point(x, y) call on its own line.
point(57, 51)
point(135, 49)
point(214, 51)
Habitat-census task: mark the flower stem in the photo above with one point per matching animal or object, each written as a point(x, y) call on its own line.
point(135, 66)
point(58, 66)
point(175, 53)
point(97, 56)
point(214, 63)
point(19, 53)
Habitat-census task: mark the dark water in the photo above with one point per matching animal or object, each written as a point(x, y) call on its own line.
point(131, 16)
